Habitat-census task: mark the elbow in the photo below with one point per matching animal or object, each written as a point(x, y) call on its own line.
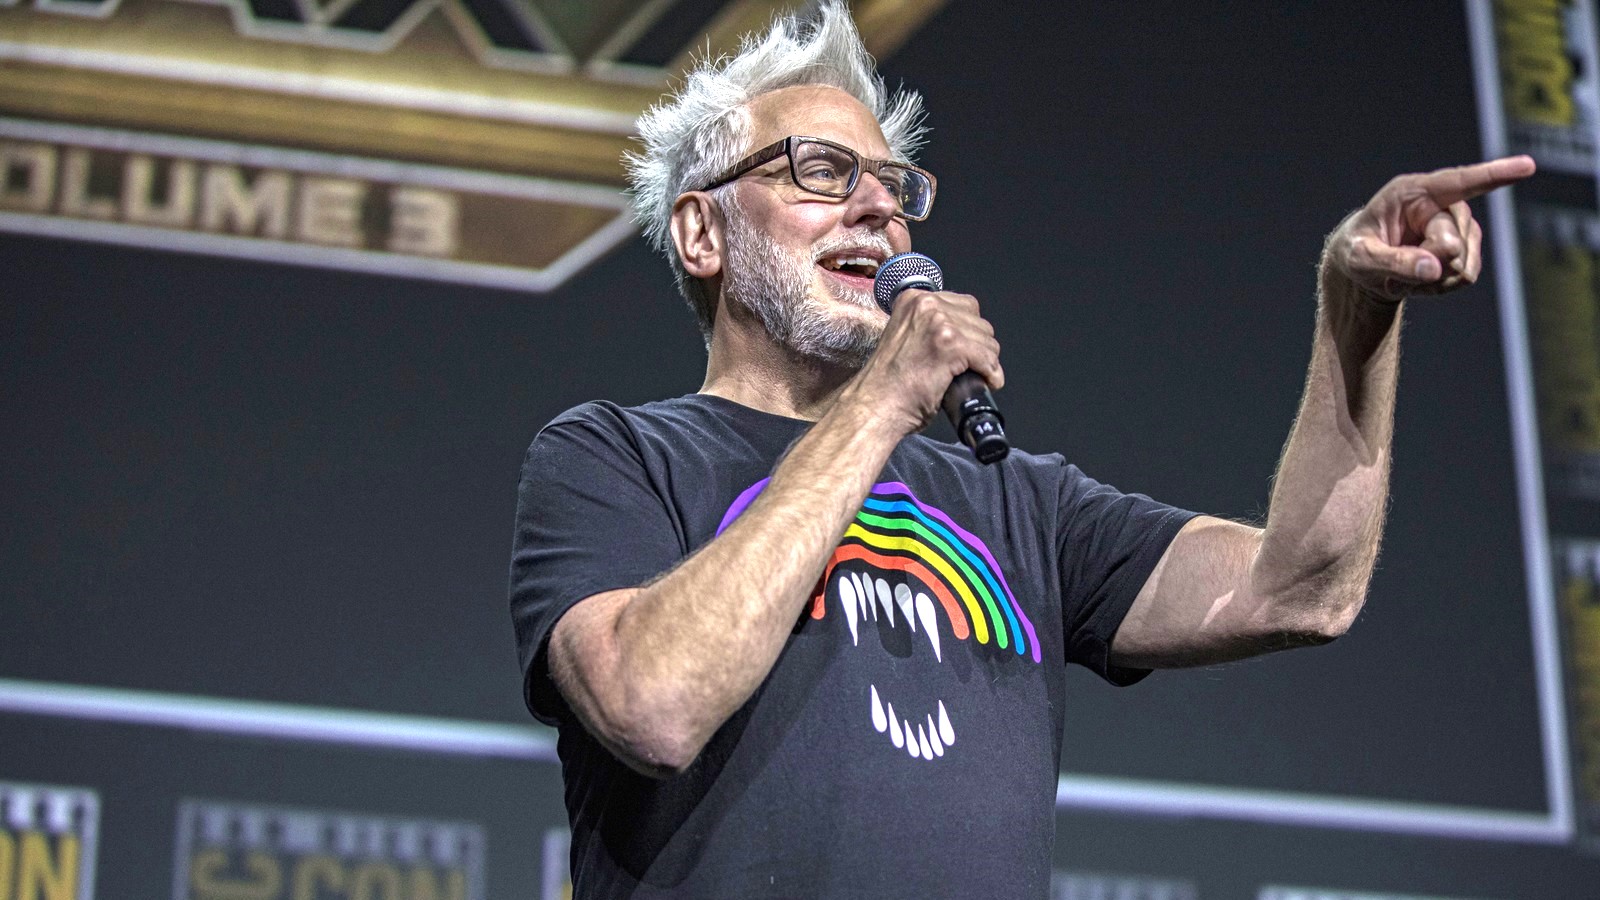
point(1315, 605)
point(1322, 621)
point(1325, 630)
point(642, 716)
point(659, 753)
point(647, 732)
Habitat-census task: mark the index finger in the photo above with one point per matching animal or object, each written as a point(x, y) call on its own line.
point(1452, 185)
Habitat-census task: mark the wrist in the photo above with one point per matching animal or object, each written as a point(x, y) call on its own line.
point(871, 416)
point(1347, 303)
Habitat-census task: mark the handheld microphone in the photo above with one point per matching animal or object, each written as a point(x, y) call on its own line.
point(967, 403)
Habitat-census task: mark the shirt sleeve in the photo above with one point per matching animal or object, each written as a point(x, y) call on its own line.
point(589, 520)
point(1108, 543)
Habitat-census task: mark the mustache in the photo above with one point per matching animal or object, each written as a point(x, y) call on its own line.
point(859, 239)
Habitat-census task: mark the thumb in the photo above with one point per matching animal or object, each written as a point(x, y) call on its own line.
point(1373, 261)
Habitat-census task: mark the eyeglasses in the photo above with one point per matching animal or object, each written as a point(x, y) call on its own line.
point(832, 170)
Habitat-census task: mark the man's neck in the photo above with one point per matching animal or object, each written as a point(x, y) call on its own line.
point(746, 366)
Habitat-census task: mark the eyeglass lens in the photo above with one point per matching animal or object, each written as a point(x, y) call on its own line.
point(830, 170)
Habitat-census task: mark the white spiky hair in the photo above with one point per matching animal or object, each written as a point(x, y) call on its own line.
point(702, 129)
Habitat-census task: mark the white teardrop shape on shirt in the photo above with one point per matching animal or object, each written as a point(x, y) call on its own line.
point(902, 596)
point(929, 626)
point(879, 720)
point(864, 596)
point(894, 729)
point(911, 743)
point(847, 599)
point(946, 733)
point(885, 602)
point(922, 742)
point(933, 737)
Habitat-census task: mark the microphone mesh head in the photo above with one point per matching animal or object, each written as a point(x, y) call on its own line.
point(905, 271)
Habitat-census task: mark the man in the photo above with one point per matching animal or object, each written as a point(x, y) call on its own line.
point(795, 649)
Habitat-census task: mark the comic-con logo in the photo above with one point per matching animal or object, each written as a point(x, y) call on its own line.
point(47, 842)
point(235, 851)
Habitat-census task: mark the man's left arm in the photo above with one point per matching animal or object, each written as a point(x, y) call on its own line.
point(1223, 590)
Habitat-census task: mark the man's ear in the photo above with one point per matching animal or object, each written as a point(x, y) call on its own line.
point(697, 232)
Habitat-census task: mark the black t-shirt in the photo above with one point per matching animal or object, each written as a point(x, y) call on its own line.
point(906, 742)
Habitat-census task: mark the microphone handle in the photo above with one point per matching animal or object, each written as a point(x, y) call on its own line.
point(972, 412)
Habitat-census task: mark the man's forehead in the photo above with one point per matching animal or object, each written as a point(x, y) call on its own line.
point(816, 111)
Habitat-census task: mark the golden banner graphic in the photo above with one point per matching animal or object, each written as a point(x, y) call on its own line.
point(470, 140)
point(1548, 74)
point(1580, 614)
point(47, 842)
point(235, 851)
point(1561, 266)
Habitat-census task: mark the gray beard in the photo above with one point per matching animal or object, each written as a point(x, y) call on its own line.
point(775, 285)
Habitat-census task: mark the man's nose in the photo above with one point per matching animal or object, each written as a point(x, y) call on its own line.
point(871, 202)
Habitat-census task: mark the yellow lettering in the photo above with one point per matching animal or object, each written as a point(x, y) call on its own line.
point(8, 858)
point(227, 203)
point(75, 197)
point(205, 874)
point(39, 877)
point(166, 192)
point(37, 165)
point(1533, 61)
point(138, 185)
point(314, 872)
point(377, 881)
point(1580, 601)
point(423, 222)
point(425, 886)
point(1562, 318)
point(330, 211)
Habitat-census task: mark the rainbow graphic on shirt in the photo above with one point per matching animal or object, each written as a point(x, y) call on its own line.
point(896, 531)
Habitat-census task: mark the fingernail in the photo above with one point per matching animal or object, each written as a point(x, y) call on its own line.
point(1425, 270)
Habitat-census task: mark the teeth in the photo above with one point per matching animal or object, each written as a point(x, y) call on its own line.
point(838, 262)
point(864, 597)
point(847, 599)
point(861, 596)
point(902, 596)
point(927, 739)
point(929, 626)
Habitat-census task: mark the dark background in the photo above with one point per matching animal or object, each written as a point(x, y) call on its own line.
point(258, 481)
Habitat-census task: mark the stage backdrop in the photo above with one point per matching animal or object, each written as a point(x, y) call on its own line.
point(267, 373)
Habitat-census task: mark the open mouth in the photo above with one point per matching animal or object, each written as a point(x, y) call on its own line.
point(852, 265)
point(926, 734)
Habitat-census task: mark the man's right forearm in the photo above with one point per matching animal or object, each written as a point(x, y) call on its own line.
point(655, 671)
